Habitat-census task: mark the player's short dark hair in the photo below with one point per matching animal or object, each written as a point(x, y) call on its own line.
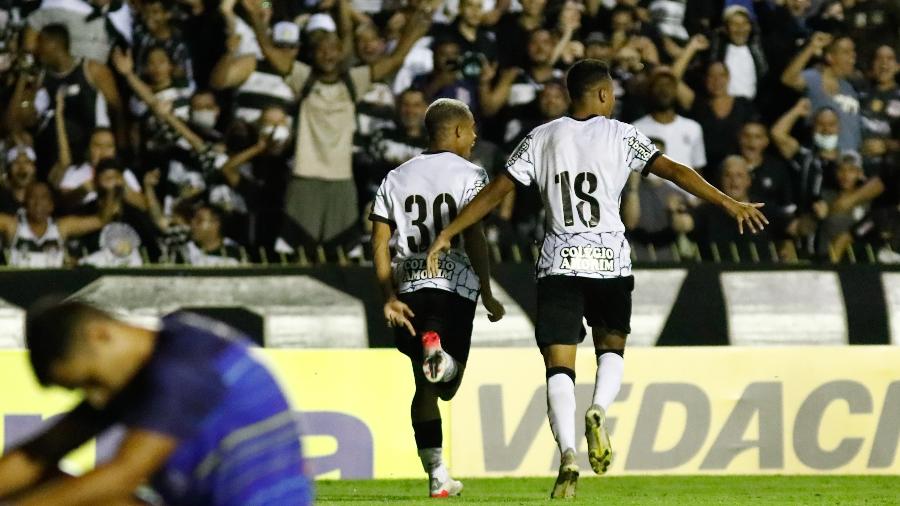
point(442, 112)
point(584, 76)
point(51, 326)
point(58, 33)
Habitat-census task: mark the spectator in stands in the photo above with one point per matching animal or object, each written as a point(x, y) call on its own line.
point(208, 247)
point(90, 93)
point(811, 165)
point(394, 146)
point(538, 70)
point(783, 28)
point(255, 62)
point(250, 192)
point(739, 48)
point(882, 225)
point(682, 137)
point(477, 44)
point(95, 25)
point(119, 242)
point(35, 239)
point(446, 78)
point(625, 33)
point(20, 174)
point(204, 116)
point(873, 24)
point(720, 114)
point(171, 95)
point(770, 175)
point(881, 112)
point(716, 235)
point(834, 235)
point(155, 29)
point(321, 198)
point(829, 87)
point(655, 215)
point(75, 182)
point(184, 157)
point(517, 26)
point(376, 108)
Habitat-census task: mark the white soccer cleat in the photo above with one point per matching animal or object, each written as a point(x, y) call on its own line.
point(599, 447)
point(447, 488)
point(564, 488)
point(435, 359)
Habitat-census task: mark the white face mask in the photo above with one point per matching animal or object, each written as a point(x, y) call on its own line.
point(825, 142)
point(279, 133)
point(205, 118)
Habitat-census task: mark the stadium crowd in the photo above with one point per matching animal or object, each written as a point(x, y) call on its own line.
point(218, 133)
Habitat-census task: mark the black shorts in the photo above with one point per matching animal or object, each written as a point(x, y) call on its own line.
point(446, 313)
point(562, 302)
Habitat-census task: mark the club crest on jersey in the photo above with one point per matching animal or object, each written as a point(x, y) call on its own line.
point(641, 151)
point(520, 150)
point(414, 269)
point(587, 258)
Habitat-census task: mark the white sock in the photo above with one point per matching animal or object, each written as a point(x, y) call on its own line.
point(561, 410)
point(450, 368)
point(610, 368)
point(433, 463)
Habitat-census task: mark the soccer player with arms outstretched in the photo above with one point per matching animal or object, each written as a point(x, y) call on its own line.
point(581, 164)
point(433, 312)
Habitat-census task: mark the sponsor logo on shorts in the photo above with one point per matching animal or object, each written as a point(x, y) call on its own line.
point(414, 269)
point(587, 258)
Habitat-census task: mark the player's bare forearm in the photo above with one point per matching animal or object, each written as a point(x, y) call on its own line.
point(486, 200)
point(688, 180)
point(139, 456)
point(381, 236)
point(743, 212)
point(477, 249)
point(18, 471)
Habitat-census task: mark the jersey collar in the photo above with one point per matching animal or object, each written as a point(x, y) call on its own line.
point(592, 116)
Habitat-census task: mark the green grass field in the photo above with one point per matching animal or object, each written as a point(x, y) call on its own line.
point(651, 490)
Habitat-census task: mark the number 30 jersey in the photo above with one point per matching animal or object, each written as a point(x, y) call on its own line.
point(581, 168)
point(418, 199)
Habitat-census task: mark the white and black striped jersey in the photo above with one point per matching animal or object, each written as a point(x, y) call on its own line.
point(581, 168)
point(418, 199)
point(28, 250)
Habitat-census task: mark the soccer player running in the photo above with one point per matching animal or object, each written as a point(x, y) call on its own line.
point(206, 422)
point(433, 312)
point(581, 164)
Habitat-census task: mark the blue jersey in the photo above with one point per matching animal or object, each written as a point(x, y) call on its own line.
point(238, 441)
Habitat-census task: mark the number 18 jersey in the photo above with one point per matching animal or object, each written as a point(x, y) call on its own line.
point(581, 168)
point(418, 199)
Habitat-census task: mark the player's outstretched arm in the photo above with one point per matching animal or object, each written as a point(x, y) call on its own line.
point(396, 313)
point(18, 472)
point(690, 181)
point(476, 248)
point(486, 200)
point(140, 455)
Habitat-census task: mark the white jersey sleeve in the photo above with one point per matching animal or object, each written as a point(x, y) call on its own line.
point(640, 151)
point(521, 164)
point(474, 187)
point(382, 210)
